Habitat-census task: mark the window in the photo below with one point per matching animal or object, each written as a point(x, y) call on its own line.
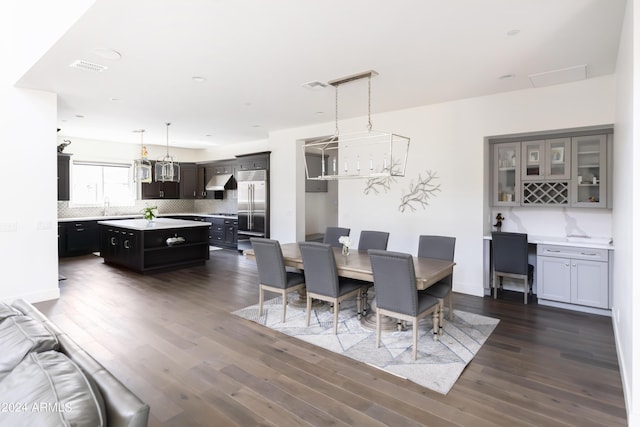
point(95, 183)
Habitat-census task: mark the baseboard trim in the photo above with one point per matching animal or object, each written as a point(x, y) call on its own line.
point(574, 307)
point(33, 297)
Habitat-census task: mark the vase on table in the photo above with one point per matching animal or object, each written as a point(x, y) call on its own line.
point(345, 250)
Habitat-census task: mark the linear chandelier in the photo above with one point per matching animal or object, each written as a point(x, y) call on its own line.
point(166, 169)
point(367, 154)
point(142, 171)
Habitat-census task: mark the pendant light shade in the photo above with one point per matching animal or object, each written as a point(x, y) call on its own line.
point(142, 171)
point(166, 169)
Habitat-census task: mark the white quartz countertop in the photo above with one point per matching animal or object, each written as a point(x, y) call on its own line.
point(574, 241)
point(110, 217)
point(157, 224)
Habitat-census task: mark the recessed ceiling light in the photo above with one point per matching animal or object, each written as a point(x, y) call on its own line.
point(513, 32)
point(106, 53)
point(199, 79)
point(115, 99)
point(507, 76)
point(255, 126)
point(208, 135)
point(247, 104)
point(319, 113)
point(80, 116)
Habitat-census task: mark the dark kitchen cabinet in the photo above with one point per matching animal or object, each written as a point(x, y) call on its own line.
point(224, 232)
point(160, 190)
point(78, 238)
point(188, 180)
point(63, 176)
point(204, 173)
point(253, 161)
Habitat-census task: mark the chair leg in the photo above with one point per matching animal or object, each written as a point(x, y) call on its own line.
point(415, 339)
point(436, 326)
point(441, 319)
point(378, 321)
point(284, 305)
point(336, 310)
point(359, 305)
point(308, 309)
point(495, 286)
point(526, 289)
point(451, 305)
point(261, 301)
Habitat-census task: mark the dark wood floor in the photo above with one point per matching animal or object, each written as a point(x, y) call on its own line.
point(171, 338)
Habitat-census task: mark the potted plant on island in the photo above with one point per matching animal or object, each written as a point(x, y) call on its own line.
point(150, 213)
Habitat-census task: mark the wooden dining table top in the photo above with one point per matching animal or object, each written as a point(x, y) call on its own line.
point(358, 266)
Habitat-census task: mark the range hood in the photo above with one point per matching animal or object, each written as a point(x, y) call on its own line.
point(221, 183)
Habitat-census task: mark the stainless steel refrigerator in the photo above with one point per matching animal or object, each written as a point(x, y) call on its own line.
point(253, 206)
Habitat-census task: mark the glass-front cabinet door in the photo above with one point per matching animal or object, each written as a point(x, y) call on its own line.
point(533, 160)
point(506, 174)
point(548, 159)
point(588, 171)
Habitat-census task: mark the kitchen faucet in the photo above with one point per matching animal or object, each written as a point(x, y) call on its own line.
point(105, 206)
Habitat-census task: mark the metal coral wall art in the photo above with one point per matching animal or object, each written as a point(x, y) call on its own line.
point(383, 182)
point(420, 193)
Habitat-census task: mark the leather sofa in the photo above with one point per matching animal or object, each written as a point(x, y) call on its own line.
point(46, 379)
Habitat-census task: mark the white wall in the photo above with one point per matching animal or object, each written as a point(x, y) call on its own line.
point(626, 212)
point(28, 231)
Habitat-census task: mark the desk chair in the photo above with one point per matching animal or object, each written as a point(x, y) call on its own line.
point(323, 283)
point(510, 259)
point(332, 234)
point(373, 240)
point(397, 295)
point(272, 273)
point(439, 247)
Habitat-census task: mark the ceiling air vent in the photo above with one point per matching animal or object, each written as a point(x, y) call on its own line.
point(316, 84)
point(87, 66)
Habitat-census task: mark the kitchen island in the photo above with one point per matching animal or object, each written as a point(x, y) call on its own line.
point(161, 245)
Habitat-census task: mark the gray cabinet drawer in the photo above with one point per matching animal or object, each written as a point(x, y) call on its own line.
point(573, 252)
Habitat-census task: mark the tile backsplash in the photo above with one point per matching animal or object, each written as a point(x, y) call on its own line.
point(227, 205)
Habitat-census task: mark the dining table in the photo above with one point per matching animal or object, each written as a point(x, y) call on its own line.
point(357, 265)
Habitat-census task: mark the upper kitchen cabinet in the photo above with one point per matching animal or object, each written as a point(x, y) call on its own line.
point(253, 161)
point(63, 176)
point(160, 190)
point(589, 171)
point(188, 180)
point(506, 174)
point(546, 159)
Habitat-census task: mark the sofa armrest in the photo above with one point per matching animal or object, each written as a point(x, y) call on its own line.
point(124, 409)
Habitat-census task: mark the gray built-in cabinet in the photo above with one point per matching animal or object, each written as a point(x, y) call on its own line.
point(560, 170)
point(573, 275)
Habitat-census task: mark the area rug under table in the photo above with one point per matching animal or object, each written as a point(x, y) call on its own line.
point(439, 363)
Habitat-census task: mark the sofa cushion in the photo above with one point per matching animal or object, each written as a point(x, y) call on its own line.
point(7, 311)
point(48, 389)
point(19, 336)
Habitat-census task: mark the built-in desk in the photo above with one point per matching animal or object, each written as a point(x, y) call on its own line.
point(569, 272)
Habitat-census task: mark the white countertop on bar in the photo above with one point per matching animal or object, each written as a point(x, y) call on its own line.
point(157, 224)
point(575, 241)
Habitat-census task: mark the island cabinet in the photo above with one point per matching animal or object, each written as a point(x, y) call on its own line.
point(573, 275)
point(224, 232)
point(165, 244)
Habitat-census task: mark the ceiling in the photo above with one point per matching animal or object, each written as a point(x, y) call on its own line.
point(255, 55)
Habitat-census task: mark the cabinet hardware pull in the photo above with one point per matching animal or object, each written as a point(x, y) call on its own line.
point(79, 229)
point(126, 244)
point(573, 265)
point(566, 265)
point(588, 254)
point(554, 251)
point(113, 241)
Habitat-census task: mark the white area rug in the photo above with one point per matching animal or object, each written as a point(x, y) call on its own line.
point(439, 363)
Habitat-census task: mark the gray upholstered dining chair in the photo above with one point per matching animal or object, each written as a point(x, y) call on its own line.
point(332, 234)
point(373, 240)
point(439, 247)
point(510, 254)
point(397, 295)
point(272, 273)
point(323, 282)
